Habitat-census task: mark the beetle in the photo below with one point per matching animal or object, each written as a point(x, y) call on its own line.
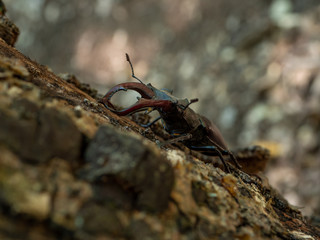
point(180, 121)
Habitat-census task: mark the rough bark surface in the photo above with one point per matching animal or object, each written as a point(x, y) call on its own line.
point(70, 169)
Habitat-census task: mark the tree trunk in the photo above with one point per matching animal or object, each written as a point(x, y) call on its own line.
point(71, 169)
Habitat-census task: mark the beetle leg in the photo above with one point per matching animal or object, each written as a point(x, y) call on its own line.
point(182, 137)
point(234, 160)
point(151, 123)
point(214, 152)
point(222, 160)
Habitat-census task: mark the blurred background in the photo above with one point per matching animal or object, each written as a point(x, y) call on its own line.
point(254, 66)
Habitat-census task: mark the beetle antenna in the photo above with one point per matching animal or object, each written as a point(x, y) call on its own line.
point(192, 101)
point(132, 72)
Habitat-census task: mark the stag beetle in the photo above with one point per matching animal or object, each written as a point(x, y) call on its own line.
point(179, 120)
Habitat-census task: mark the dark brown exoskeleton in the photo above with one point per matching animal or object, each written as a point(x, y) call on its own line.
point(179, 120)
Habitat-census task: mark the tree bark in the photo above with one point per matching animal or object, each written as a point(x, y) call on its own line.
point(71, 169)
